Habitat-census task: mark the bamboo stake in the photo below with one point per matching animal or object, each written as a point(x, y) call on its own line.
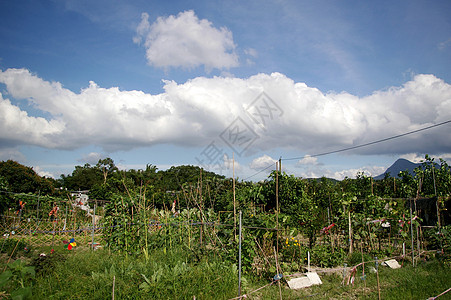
point(234, 199)
point(350, 230)
point(278, 272)
point(93, 225)
point(263, 253)
point(378, 284)
point(37, 210)
point(363, 269)
point(11, 256)
point(114, 282)
point(146, 222)
point(53, 234)
point(239, 258)
point(277, 207)
point(411, 234)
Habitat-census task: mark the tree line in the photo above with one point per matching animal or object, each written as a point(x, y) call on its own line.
point(296, 196)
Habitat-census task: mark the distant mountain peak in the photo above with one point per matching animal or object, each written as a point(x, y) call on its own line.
point(401, 164)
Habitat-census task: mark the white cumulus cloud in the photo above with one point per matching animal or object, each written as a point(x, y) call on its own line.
point(262, 162)
point(186, 41)
point(342, 174)
point(196, 112)
point(308, 160)
point(42, 172)
point(91, 158)
point(230, 163)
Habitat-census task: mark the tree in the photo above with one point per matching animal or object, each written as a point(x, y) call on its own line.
point(22, 179)
point(5, 200)
point(107, 167)
point(83, 178)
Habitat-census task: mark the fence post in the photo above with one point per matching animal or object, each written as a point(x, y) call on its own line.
point(411, 234)
point(239, 257)
point(377, 274)
point(93, 225)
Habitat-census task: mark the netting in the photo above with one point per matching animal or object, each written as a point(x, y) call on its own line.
point(47, 232)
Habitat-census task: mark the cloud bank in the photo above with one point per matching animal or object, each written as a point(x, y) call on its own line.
point(187, 42)
point(196, 112)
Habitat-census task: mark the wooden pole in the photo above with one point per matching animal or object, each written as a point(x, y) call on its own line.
point(418, 232)
point(411, 234)
point(239, 260)
point(279, 271)
point(378, 284)
point(114, 283)
point(277, 207)
point(93, 225)
point(37, 210)
point(350, 230)
point(234, 199)
point(200, 189)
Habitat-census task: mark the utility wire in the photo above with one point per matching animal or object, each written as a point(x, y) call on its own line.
point(371, 143)
point(356, 147)
point(272, 164)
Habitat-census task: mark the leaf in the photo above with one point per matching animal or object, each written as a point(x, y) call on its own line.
point(145, 286)
point(146, 279)
point(30, 270)
point(21, 293)
point(4, 277)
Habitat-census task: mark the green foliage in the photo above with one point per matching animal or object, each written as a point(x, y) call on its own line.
point(22, 179)
point(83, 178)
point(168, 275)
point(19, 247)
point(440, 239)
point(158, 244)
point(17, 279)
point(357, 257)
point(323, 256)
point(5, 201)
point(45, 265)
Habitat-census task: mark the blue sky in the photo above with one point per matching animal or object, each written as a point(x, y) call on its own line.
point(199, 82)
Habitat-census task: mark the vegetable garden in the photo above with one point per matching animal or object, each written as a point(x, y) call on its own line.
point(222, 237)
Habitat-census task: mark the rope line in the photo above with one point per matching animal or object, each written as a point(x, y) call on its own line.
point(433, 298)
point(175, 224)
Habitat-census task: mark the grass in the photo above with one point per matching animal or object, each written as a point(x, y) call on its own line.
point(426, 280)
point(184, 273)
point(171, 275)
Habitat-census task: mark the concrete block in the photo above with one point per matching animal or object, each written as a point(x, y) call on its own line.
point(312, 278)
point(392, 263)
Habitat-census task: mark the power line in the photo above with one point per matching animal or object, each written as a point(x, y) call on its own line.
point(262, 170)
point(356, 147)
point(373, 142)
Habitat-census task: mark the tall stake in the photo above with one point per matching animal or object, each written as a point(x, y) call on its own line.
point(411, 233)
point(437, 204)
point(37, 210)
point(350, 230)
point(93, 225)
point(377, 275)
point(239, 259)
point(234, 199)
point(277, 206)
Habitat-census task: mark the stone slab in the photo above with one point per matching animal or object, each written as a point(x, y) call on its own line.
point(392, 263)
point(312, 278)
